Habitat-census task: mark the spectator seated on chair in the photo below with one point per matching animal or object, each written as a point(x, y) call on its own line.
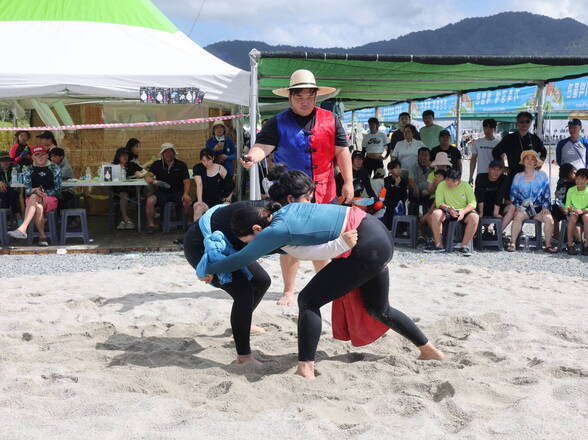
point(361, 178)
point(396, 187)
point(68, 195)
point(577, 212)
point(20, 152)
point(530, 195)
point(42, 182)
point(418, 184)
point(438, 177)
point(122, 158)
point(213, 184)
point(8, 195)
point(567, 179)
point(454, 201)
point(491, 193)
point(173, 173)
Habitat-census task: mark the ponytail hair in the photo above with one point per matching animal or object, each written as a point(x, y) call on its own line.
point(287, 183)
point(245, 218)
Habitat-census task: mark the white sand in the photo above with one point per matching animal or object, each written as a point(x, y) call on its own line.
point(146, 353)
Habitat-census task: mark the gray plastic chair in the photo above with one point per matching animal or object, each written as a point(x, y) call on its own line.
point(50, 225)
point(83, 233)
point(497, 242)
point(411, 221)
point(4, 238)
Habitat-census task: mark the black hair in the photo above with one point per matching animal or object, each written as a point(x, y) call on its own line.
point(287, 183)
point(311, 90)
point(489, 123)
point(428, 113)
point(373, 120)
point(119, 152)
point(17, 134)
point(403, 114)
point(52, 137)
point(524, 115)
point(393, 164)
point(132, 142)
point(444, 173)
point(245, 218)
point(412, 128)
point(424, 149)
point(582, 172)
point(454, 174)
point(206, 152)
point(565, 170)
point(57, 152)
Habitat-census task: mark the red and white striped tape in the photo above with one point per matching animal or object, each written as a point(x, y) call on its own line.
point(130, 124)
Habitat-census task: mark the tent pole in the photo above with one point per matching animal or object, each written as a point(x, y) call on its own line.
point(458, 121)
point(254, 57)
point(353, 129)
point(539, 128)
point(238, 125)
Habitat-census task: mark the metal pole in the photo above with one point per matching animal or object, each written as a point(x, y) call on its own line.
point(353, 129)
point(254, 56)
point(539, 127)
point(458, 121)
point(239, 138)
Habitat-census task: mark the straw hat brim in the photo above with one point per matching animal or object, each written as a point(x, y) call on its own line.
point(320, 91)
point(539, 161)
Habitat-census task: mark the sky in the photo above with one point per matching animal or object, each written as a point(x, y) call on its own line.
point(340, 23)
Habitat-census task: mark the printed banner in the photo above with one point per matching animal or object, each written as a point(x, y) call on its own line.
point(511, 100)
point(569, 94)
point(390, 112)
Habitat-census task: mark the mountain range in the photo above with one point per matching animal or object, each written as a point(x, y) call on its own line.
point(505, 34)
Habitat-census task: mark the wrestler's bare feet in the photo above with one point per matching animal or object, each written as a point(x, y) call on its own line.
point(305, 369)
point(430, 352)
point(255, 330)
point(287, 299)
point(247, 359)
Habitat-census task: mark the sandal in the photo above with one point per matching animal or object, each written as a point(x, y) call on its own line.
point(511, 248)
point(550, 250)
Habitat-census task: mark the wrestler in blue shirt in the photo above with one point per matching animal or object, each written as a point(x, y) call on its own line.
point(296, 224)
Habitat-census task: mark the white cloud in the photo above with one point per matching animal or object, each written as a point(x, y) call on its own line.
point(324, 23)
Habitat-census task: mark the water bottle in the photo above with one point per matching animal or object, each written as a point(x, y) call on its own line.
point(88, 173)
point(123, 173)
point(526, 246)
point(13, 177)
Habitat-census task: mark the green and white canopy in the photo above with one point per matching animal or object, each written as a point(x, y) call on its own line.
point(104, 49)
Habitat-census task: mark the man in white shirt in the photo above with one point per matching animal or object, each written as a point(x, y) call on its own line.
point(574, 149)
point(374, 146)
point(482, 149)
point(430, 132)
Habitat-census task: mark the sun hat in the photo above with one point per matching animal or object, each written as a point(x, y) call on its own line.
point(302, 79)
point(5, 157)
point(167, 146)
point(39, 149)
point(530, 153)
point(441, 159)
point(221, 123)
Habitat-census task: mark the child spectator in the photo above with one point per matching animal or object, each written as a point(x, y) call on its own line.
point(531, 195)
point(482, 149)
point(213, 185)
point(20, 152)
point(57, 156)
point(454, 201)
point(8, 195)
point(418, 184)
point(441, 162)
point(42, 182)
point(122, 159)
point(132, 147)
point(567, 179)
point(577, 211)
point(396, 187)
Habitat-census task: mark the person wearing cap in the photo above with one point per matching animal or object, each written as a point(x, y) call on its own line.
point(445, 146)
point(430, 132)
point(531, 196)
point(513, 144)
point(223, 147)
point(491, 190)
point(361, 179)
point(175, 173)
point(306, 138)
point(374, 146)
point(42, 182)
point(398, 134)
point(482, 149)
point(454, 201)
point(407, 150)
point(20, 152)
point(574, 149)
point(8, 195)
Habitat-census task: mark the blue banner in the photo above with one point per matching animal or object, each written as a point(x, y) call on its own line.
point(569, 94)
point(443, 107)
point(512, 100)
point(390, 112)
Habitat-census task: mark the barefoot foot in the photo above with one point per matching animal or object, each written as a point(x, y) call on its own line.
point(256, 330)
point(305, 369)
point(430, 352)
point(287, 299)
point(247, 359)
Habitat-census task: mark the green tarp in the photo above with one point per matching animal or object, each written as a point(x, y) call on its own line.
point(370, 80)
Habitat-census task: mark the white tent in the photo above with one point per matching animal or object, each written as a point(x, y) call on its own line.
point(70, 50)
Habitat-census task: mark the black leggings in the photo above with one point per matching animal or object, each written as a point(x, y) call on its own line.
point(246, 294)
point(366, 269)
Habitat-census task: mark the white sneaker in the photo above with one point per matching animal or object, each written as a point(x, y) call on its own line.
point(122, 225)
point(129, 225)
